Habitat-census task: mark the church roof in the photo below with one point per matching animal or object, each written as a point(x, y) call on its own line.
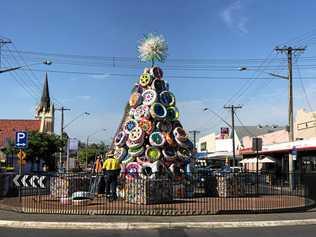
point(45, 99)
point(8, 127)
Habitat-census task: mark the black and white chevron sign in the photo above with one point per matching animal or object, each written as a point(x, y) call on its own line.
point(32, 181)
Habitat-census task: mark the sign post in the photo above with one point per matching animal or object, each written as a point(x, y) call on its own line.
point(257, 146)
point(21, 142)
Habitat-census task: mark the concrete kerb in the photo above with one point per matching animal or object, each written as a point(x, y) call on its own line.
point(150, 225)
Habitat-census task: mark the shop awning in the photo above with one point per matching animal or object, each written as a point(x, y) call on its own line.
point(248, 160)
point(267, 159)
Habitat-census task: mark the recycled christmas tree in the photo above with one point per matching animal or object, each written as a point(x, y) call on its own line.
point(150, 138)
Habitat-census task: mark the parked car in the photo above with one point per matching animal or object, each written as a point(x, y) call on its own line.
point(231, 169)
point(200, 174)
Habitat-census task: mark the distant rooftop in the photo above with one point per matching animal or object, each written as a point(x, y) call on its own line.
point(253, 131)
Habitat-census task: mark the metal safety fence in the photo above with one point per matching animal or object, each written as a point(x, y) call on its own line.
point(198, 193)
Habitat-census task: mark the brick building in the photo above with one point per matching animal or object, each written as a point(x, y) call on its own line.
point(43, 121)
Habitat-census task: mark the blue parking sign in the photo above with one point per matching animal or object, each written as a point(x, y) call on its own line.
point(21, 140)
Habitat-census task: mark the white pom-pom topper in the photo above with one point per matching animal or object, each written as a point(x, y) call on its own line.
point(153, 48)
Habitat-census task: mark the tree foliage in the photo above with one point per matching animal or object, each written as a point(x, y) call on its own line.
point(91, 151)
point(40, 146)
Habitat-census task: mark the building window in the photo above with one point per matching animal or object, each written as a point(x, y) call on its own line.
point(309, 124)
point(203, 146)
point(309, 164)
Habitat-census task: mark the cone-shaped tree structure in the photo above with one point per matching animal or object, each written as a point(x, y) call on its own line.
point(150, 135)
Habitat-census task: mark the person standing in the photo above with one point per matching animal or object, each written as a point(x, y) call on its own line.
point(98, 185)
point(111, 167)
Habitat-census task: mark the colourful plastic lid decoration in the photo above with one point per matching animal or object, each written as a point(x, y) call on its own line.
point(167, 98)
point(180, 134)
point(127, 159)
point(156, 72)
point(136, 134)
point(169, 153)
point(153, 153)
point(169, 139)
point(142, 160)
point(132, 112)
point(132, 170)
point(137, 88)
point(181, 143)
point(149, 97)
point(147, 171)
point(131, 144)
point(136, 151)
point(172, 113)
point(120, 139)
point(142, 111)
point(157, 139)
point(158, 111)
point(146, 70)
point(176, 124)
point(145, 79)
point(184, 153)
point(135, 99)
point(158, 85)
point(129, 125)
point(146, 125)
point(120, 153)
point(164, 126)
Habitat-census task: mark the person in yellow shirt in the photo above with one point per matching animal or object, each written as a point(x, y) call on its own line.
point(111, 167)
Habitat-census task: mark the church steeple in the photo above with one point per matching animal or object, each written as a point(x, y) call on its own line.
point(45, 110)
point(45, 99)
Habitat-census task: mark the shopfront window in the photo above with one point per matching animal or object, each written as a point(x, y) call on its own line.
point(309, 164)
point(203, 146)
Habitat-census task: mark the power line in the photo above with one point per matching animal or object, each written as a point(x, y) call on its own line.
point(29, 90)
point(242, 124)
point(303, 88)
point(122, 75)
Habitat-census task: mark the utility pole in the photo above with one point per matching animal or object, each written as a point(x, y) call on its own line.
point(3, 42)
point(289, 51)
point(62, 109)
point(232, 109)
point(194, 132)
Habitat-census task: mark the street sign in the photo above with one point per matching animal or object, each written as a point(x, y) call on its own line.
point(224, 130)
point(21, 155)
point(21, 140)
point(29, 181)
point(294, 151)
point(73, 144)
point(256, 144)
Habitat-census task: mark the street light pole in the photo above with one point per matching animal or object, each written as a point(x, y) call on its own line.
point(3, 70)
point(87, 143)
point(289, 51)
point(62, 128)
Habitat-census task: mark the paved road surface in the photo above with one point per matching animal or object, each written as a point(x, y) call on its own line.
point(295, 231)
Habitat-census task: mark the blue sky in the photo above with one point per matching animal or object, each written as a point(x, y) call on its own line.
point(222, 29)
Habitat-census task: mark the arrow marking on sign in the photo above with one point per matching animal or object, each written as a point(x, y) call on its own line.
point(32, 181)
point(15, 180)
point(24, 180)
point(40, 181)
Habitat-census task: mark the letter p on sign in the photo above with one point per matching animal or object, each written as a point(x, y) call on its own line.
point(21, 140)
